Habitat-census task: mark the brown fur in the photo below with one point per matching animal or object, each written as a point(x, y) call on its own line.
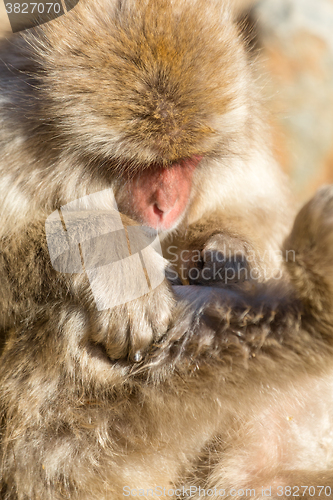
point(236, 394)
point(122, 86)
point(159, 391)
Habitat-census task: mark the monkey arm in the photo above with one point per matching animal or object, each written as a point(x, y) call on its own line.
point(230, 364)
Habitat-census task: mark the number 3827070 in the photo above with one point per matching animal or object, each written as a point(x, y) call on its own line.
point(31, 8)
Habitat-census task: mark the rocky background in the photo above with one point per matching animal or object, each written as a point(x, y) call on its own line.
point(295, 41)
point(294, 48)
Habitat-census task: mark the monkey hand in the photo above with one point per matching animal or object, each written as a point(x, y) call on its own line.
point(130, 294)
point(146, 318)
point(224, 262)
point(118, 277)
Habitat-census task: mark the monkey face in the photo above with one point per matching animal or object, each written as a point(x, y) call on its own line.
point(144, 90)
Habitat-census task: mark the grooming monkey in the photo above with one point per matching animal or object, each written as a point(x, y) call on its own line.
point(154, 99)
point(235, 398)
point(158, 103)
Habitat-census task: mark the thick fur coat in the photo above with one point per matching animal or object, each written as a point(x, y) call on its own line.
point(237, 393)
point(184, 386)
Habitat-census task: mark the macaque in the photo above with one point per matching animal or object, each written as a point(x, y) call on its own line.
point(234, 400)
point(145, 114)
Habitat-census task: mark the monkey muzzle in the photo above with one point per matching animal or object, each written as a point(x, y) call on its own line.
point(160, 195)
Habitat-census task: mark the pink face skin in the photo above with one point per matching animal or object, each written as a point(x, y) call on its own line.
point(159, 196)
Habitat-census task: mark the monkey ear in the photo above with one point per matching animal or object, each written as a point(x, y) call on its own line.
point(310, 255)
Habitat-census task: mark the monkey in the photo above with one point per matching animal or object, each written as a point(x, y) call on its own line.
point(234, 400)
point(149, 107)
point(166, 114)
point(155, 119)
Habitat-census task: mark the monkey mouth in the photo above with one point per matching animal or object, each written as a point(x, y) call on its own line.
point(159, 195)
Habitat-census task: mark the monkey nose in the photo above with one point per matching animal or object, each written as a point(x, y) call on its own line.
point(160, 195)
point(164, 211)
point(164, 202)
point(158, 211)
point(162, 214)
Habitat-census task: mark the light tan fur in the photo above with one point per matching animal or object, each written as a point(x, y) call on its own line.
point(163, 390)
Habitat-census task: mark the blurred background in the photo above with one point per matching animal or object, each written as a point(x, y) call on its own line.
point(293, 42)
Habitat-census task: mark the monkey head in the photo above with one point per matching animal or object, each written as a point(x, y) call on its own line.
point(145, 93)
